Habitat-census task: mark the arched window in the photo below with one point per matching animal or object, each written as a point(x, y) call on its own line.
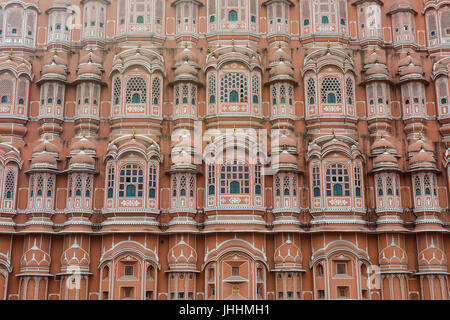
point(357, 182)
point(277, 186)
point(136, 98)
point(349, 90)
point(258, 180)
point(191, 186)
point(234, 96)
point(88, 187)
point(427, 184)
point(78, 186)
point(286, 186)
point(319, 270)
point(337, 190)
point(211, 179)
point(325, 20)
point(110, 183)
point(131, 181)
point(174, 186)
point(156, 90)
point(140, 19)
point(417, 186)
point(235, 187)
point(212, 99)
point(117, 90)
point(331, 98)
point(40, 186)
point(235, 178)
point(255, 99)
point(380, 186)
point(311, 91)
point(10, 183)
point(316, 181)
point(183, 186)
point(50, 183)
point(232, 15)
point(337, 181)
point(152, 181)
point(4, 99)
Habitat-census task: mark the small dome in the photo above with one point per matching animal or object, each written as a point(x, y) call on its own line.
point(44, 159)
point(60, 4)
point(36, 259)
point(90, 57)
point(182, 255)
point(75, 256)
point(400, 4)
point(82, 158)
point(84, 144)
point(89, 68)
point(422, 157)
point(282, 69)
point(286, 157)
point(46, 146)
point(377, 69)
point(419, 145)
point(432, 256)
point(375, 57)
point(288, 255)
point(383, 143)
point(185, 69)
point(54, 69)
point(393, 255)
point(186, 54)
point(279, 54)
point(406, 61)
point(385, 159)
point(411, 69)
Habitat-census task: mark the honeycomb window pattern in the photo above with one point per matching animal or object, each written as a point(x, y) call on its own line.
point(231, 83)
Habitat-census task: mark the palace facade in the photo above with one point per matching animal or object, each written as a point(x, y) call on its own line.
point(224, 149)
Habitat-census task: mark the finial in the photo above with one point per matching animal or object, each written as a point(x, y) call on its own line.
point(280, 45)
point(209, 49)
point(382, 136)
point(234, 129)
point(334, 134)
point(83, 134)
point(420, 135)
point(328, 47)
point(385, 149)
point(186, 58)
point(134, 131)
point(0, 139)
point(185, 45)
point(45, 147)
point(46, 136)
point(408, 53)
point(138, 49)
point(10, 54)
